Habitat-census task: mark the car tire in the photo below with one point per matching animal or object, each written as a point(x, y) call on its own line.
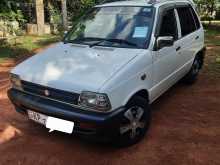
point(135, 122)
point(192, 75)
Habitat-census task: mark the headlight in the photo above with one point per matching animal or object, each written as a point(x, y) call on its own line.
point(16, 82)
point(96, 101)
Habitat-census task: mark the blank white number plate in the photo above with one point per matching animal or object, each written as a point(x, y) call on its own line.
point(59, 125)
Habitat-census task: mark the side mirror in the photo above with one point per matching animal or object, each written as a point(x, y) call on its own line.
point(166, 41)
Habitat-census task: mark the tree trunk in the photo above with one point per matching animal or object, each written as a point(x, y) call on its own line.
point(40, 16)
point(64, 15)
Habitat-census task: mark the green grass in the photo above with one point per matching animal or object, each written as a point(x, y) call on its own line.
point(212, 35)
point(22, 45)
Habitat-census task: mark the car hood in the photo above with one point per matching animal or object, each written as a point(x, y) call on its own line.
point(74, 67)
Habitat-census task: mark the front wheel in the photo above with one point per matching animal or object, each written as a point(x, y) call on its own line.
point(135, 122)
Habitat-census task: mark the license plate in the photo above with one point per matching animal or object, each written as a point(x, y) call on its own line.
point(59, 125)
point(51, 122)
point(37, 117)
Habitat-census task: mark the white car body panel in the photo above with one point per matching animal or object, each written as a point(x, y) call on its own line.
point(128, 80)
point(74, 68)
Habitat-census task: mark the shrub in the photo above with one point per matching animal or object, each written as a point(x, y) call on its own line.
point(11, 18)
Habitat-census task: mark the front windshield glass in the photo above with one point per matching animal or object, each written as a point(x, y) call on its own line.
point(121, 26)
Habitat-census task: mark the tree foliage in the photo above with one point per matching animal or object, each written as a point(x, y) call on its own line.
point(207, 8)
point(11, 17)
point(10, 11)
point(77, 7)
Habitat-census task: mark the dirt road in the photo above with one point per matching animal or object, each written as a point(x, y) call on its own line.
point(185, 131)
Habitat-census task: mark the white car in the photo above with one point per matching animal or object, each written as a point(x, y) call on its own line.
point(115, 61)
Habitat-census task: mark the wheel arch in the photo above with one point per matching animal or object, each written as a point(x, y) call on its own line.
point(144, 93)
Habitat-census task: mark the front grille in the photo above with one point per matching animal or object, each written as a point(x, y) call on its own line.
point(56, 94)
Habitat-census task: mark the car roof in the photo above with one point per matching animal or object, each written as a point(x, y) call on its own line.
point(155, 3)
point(126, 3)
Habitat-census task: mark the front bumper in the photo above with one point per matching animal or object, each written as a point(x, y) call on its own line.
point(97, 124)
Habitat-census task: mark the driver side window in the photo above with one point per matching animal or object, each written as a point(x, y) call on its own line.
point(169, 25)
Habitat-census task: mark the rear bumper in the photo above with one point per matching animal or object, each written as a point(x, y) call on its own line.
point(87, 122)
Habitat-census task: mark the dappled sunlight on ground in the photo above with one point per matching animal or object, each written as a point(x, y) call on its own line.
point(4, 86)
point(9, 133)
point(210, 47)
point(3, 96)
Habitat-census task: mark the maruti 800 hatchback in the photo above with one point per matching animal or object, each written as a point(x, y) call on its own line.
point(114, 62)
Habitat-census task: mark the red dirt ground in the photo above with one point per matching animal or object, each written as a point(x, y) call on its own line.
point(185, 131)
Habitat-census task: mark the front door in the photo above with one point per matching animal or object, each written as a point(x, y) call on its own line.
point(165, 58)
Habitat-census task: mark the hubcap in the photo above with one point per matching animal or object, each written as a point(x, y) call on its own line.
point(134, 116)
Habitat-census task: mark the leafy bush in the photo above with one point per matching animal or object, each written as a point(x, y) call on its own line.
point(11, 18)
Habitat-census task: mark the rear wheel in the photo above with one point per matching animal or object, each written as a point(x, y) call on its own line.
point(191, 77)
point(135, 122)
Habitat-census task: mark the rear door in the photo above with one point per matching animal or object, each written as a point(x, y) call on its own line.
point(189, 38)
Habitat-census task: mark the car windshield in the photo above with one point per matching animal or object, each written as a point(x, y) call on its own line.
point(121, 26)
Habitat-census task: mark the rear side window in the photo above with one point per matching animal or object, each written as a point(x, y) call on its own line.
point(196, 19)
point(186, 20)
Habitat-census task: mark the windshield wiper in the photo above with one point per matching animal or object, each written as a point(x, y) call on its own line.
point(100, 40)
point(121, 41)
point(81, 40)
point(114, 40)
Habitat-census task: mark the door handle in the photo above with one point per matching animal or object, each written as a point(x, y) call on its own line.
point(197, 37)
point(178, 48)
